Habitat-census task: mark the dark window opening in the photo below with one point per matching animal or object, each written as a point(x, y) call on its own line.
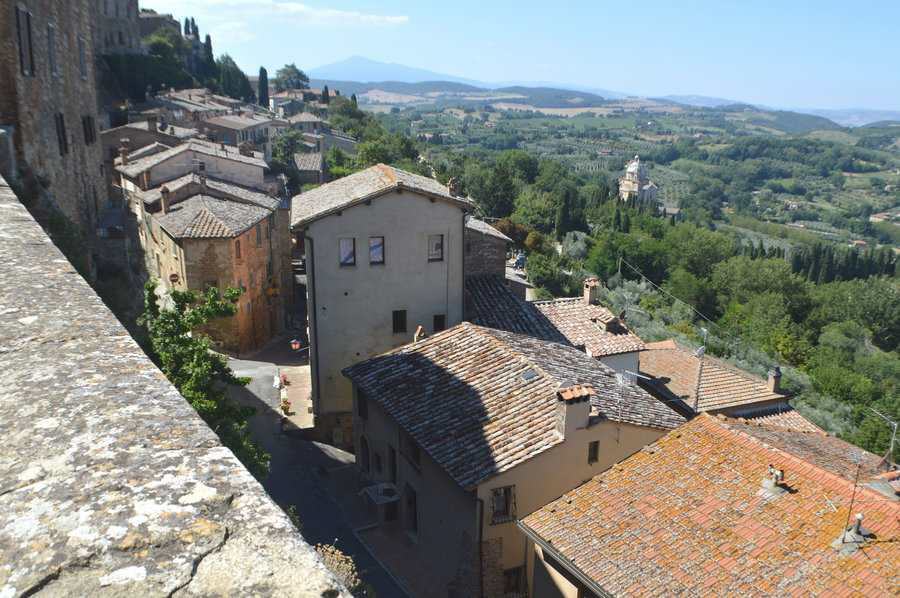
point(61, 137)
point(514, 581)
point(362, 405)
point(376, 250)
point(237, 249)
point(399, 317)
point(503, 504)
point(593, 452)
point(440, 322)
point(412, 510)
point(392, 464)
point(364, 453)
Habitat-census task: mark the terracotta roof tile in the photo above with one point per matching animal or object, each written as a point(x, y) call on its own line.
point(590, 325)
point(688, 516)
point(480, 401)
point(205, 217)
point(706, 384)
point(489, 302)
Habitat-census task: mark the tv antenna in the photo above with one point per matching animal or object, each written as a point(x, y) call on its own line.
point(893, 426)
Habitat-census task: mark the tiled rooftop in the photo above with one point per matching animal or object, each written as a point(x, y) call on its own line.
point(143, 125)
point(133, 169)
point(238, 122)
point(590, 325)
point(704, 385)
point(484, 228)
point(205, 217)
point(361, 186)
point(688, 516)
point(480, 401)
point(308, 161)
point(490, 303)
point(214, 187)
point(110, 483)
point(304, 117)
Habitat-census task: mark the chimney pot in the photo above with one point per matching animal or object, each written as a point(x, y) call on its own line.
point(123, 150)
point(592, 290)
point(775, 380)
point(165, 197)
point(573, 408)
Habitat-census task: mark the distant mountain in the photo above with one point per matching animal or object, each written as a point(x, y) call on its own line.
point(358, 68)
point(853, 117)
point(701, 101)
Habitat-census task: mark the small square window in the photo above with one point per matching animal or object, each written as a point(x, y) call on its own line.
point(435, 248)
point(593, 452)
point(376, 250)
point(503, 504)
point(399, 317)
point(348, 252)
point(440, 322)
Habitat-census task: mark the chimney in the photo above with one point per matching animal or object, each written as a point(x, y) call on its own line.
point(420, 334)
point(453, 186)
point(573, 408)
point(592, 290)
point(773, 483)
point(202, 177)
point(123, 149)
point(152, 124)
point(165, 198)
point(775, 380)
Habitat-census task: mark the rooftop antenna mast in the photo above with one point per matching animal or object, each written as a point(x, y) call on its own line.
point(893, 426)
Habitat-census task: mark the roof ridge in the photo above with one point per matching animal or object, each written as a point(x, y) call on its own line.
point(513, 349)
point(720, 423)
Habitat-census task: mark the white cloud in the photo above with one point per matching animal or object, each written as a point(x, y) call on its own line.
point(297, 12)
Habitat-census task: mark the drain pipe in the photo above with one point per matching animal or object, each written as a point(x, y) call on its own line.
point(480, 556)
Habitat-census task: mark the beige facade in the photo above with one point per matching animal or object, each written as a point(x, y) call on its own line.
point(457, 533)
point(636, 183)
point(351, 309)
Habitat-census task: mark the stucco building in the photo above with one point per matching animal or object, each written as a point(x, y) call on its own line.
point(636, 183)
point(384, 255)
point(48, 102)
point(473, 428)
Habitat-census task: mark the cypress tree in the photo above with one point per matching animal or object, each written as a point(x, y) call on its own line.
point(617, 221)
point(626, 223)
point(263, 88)
point(194, 30)
point(187, 26)
point(326, 97)
point(353, 100)
point(207, 51)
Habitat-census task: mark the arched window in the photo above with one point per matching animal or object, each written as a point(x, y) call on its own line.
point(364, 453)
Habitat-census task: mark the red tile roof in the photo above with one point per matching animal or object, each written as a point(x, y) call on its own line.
point(688, 516)
point(706, 384)
point(591, 325)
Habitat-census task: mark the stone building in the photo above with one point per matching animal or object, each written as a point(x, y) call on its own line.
point(205, 217)
point(118, 28)
point(636, 183)
point(48, 101)
point(150, 21)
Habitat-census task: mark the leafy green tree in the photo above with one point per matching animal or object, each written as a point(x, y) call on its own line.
point(696, 249)
point(232, 80)
point(520, 164)
point(285, 145)
point(183, 354)
point(535, 209)
point(263, 87)
point(739, 278)
point(290, 77)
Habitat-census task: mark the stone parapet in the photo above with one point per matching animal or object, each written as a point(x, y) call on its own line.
point(110, 483)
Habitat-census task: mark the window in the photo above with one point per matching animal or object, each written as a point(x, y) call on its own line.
point(51, 49)
point(82, 57)
point(435, 248)
point(514, 581)
point(61, 137)
point(412, 510)
point(237, 249)
point(440, 322)
point(376, 250)
point(90, 131)
point(399, 316)
point(25, 38)
point(409, 449)
point(503, 504)
point(362, 405)
point(392, 464)
point(348, 252)
point(593, 452)
point(258, 234)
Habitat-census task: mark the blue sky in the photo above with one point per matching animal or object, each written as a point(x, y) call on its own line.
point(801, 53)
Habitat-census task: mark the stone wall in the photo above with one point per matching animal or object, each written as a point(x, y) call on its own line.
point(111, 484)
point(118, 27)
point(59, 89)
point(492, 567)
point(485, 254)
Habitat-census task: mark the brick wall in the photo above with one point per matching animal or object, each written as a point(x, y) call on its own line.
point(492, 567)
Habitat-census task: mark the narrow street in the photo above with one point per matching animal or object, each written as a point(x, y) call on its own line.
point(301, 469)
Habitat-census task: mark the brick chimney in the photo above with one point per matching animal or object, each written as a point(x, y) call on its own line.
point(775, 380)
point(573, 408)
point(165, 199)
point(592, 290)
point(152, 124)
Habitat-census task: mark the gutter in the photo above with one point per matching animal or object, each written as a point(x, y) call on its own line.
point(311, 309)
point(566, 563)
point(480, 541)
